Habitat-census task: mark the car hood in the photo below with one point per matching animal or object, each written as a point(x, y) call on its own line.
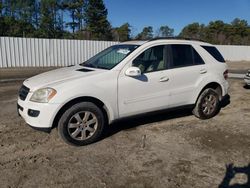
point(60, 75)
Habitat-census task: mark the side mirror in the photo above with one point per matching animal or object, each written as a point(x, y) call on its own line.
point(133, 72)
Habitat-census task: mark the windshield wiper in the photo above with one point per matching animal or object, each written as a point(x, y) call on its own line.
point(100, 67)
point(87, 65)
point(93, 66)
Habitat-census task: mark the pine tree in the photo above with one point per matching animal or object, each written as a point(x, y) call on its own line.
point(75, 8)
point(165, 31)
point(122, 33)
point(49, 19)
point(194, 30)
point(96, 21)
point(146, 34)
point(1, 8)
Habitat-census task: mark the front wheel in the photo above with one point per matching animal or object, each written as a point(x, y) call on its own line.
point(81, 124)
point(207, 105)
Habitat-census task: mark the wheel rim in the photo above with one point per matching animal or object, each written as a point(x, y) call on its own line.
point(209, 104)
point(82, 125)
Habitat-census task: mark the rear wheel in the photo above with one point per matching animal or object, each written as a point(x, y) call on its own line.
point(81, 124)
point(207, 105)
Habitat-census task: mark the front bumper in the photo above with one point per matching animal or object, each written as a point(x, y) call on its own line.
point(44, 120)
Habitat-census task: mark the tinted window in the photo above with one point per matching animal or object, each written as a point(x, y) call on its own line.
point(197, 58)
point(183, 55)
point(214, 52)
point(151, 60)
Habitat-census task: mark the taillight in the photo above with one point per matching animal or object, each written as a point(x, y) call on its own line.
point(225, 74)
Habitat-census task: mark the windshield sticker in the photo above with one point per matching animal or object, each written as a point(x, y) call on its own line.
point(123, 51)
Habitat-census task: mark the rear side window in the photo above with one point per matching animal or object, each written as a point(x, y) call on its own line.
point(214, 52)
point(183, 55)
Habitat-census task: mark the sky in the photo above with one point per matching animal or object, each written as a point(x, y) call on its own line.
point(174, 13)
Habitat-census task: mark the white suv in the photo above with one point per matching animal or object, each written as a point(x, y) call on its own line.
point(124, 80)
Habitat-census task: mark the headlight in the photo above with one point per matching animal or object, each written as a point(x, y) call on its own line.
point(43, 95)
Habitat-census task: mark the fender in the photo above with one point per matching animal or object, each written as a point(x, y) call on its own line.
point(203, 82)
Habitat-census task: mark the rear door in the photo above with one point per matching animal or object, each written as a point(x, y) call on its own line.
point(187, 69)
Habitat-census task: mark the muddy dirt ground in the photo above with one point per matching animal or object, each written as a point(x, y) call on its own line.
point(170, 149)
point(238, 66)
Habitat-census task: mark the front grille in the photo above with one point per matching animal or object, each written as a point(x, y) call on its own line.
point(23, 92)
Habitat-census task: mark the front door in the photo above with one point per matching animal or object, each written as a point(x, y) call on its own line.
point(149, 91)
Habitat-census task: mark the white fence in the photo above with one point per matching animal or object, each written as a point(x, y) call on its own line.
point(235, 53)
point(31, 52)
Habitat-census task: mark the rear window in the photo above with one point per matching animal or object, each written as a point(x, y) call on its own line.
point(214, 52)
point(183, 55)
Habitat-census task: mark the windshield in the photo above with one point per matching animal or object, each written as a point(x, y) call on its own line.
point(110, 57)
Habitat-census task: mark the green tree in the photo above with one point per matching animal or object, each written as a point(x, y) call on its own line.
point(9, 26)
point(76, 10)
point(80, 14)
point(7, 6)
point(37, 13)
point(1, 8)
point(122, 33)
point(46, 28)
point(146, 34)
point(45, 18)
point(12, 21)
point(165, 31)
point(2, 24)
point(216, 32)
point(49, 24)
point(239, 32)
point(194, 30)
point(96, 21)
point(26, 10)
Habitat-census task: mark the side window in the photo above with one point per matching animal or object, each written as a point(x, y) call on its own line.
point(184, 55)
point(151, 60)
point(215, 53)
point(197, 58)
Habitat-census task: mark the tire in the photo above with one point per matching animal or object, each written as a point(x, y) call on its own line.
point(81, 124)
point(207, 105)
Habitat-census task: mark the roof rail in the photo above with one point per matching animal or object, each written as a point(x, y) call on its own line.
point(176, 38)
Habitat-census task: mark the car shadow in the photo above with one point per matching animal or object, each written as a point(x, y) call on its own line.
point(231, 171)
point(152, 117)
point(132, 122)
point(246, 86)
point(225, 101)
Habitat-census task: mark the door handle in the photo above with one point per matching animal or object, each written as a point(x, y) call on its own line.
point(203, 71)
point(164, 79)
